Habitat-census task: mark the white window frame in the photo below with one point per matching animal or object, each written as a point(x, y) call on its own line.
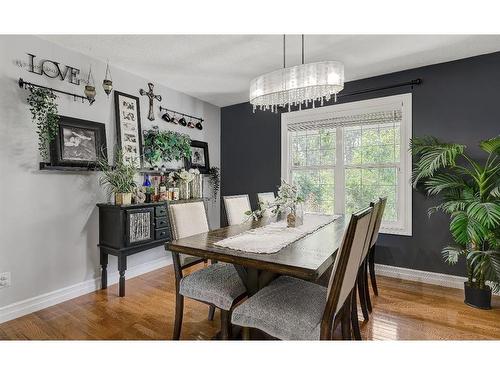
point(404, 224)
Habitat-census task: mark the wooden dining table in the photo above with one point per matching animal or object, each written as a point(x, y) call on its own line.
point(308, 258)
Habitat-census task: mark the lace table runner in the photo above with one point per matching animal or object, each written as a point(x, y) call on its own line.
point(275, 236)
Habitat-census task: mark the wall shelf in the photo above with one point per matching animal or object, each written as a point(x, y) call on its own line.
point(49, 167)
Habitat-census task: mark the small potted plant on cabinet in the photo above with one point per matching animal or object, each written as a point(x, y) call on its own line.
point(118, 180)
point(470, 194)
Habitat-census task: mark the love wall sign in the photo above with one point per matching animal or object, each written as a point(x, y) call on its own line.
point(51, 69)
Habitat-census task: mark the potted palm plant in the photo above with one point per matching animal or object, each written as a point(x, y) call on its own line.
point(469, 191)
point(119, 180)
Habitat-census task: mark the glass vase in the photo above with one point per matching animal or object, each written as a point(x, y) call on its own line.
point(184, 190)
point(197, 187)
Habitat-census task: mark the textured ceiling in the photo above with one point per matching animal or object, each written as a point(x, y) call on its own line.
point(218, 68)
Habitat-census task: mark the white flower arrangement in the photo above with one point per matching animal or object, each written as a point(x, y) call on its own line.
point(194, 171)
point(288, 198)
point(185, 176)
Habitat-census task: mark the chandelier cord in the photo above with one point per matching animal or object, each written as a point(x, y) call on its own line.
point(302, 49)
point(284, 51)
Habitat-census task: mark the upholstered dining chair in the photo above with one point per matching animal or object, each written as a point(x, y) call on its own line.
point(236, 206)
point(294, 309)
point(265, 200)
point(371, 253)
point(217, 285)
point(360, 281)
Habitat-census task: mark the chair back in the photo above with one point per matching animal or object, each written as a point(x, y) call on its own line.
point(378, 221)
point(345, 269)
point(265, 200)
point(371, 228)
point(187, 219)
point(236, 206)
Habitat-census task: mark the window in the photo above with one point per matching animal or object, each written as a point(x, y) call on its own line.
point(345, 156)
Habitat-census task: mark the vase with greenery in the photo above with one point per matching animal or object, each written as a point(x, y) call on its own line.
point(118, 180)
point(469, 191)
point(160, 145)
point(43, 108)
point(289, 201)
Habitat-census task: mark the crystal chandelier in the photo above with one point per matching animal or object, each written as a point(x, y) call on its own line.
point(300, 84)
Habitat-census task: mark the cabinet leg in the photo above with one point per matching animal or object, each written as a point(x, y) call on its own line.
point(122, 267)
point(104, 270)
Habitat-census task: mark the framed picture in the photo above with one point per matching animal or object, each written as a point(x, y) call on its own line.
point(199, 156)
point(78, 143)
point(128, 127)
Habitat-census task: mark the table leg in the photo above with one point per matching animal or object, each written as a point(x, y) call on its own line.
point(122, 267)
point(104, 270)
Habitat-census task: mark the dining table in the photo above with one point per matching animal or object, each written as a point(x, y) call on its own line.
point(307, 258)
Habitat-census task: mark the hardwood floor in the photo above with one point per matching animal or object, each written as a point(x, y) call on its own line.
point(404, 310)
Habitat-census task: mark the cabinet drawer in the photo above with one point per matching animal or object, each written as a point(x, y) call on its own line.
point(161, 210)
point(161, 222)
point(162, 234)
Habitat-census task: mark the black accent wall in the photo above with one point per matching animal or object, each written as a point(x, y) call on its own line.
point(458, 101)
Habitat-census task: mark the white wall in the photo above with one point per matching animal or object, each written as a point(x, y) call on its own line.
point(49, 220)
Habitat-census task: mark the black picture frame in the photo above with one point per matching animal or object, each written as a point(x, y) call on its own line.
point(71, 143)
point(192, 163)
point(126, 127)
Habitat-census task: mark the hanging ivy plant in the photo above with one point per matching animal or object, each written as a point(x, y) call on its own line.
point(44, 113)
point(165, 146)
point(214, 180)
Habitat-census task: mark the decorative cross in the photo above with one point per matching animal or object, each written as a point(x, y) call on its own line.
point(151, 96)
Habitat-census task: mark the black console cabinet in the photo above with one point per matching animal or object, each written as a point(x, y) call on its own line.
point(129, 229)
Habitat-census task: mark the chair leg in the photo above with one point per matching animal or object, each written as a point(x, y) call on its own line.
point(345, 323)
point(367, 291)
point(371, 264)
point(211, 312)
point(245, 333)
point(354, 315)
point(225, 324)
point(179, 309)
point(362, 294)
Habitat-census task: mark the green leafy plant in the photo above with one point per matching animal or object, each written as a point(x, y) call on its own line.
point(165, 146)
point(44, 113)
point(469, 193)
point(214, 181)
point(119, 178)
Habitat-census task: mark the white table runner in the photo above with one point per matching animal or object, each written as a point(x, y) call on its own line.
point(275, 236)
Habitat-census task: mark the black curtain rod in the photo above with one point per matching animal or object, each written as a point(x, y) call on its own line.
point(22, 83)
point(413, 82)
point(180, 113)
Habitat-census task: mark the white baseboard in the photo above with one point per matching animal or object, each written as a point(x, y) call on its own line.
point(450, 281)
point(40, 302)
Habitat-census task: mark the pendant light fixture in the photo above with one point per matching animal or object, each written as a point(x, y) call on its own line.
point(107, 83)
point(90, 86)
point(297, 85)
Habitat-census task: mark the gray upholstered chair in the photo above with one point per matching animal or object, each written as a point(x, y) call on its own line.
point(265, 200)
point(371, 253)
point(236, 206)
point(294, 309)
point(360, 281)
point(217, 285)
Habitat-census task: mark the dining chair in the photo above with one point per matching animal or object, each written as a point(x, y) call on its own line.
point(371, 253)
point(360, 280)
point(265, 200)
point(236, 206)
point(217, 285)
point(294, 309)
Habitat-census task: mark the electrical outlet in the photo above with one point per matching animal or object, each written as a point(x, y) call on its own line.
point(4, 279)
